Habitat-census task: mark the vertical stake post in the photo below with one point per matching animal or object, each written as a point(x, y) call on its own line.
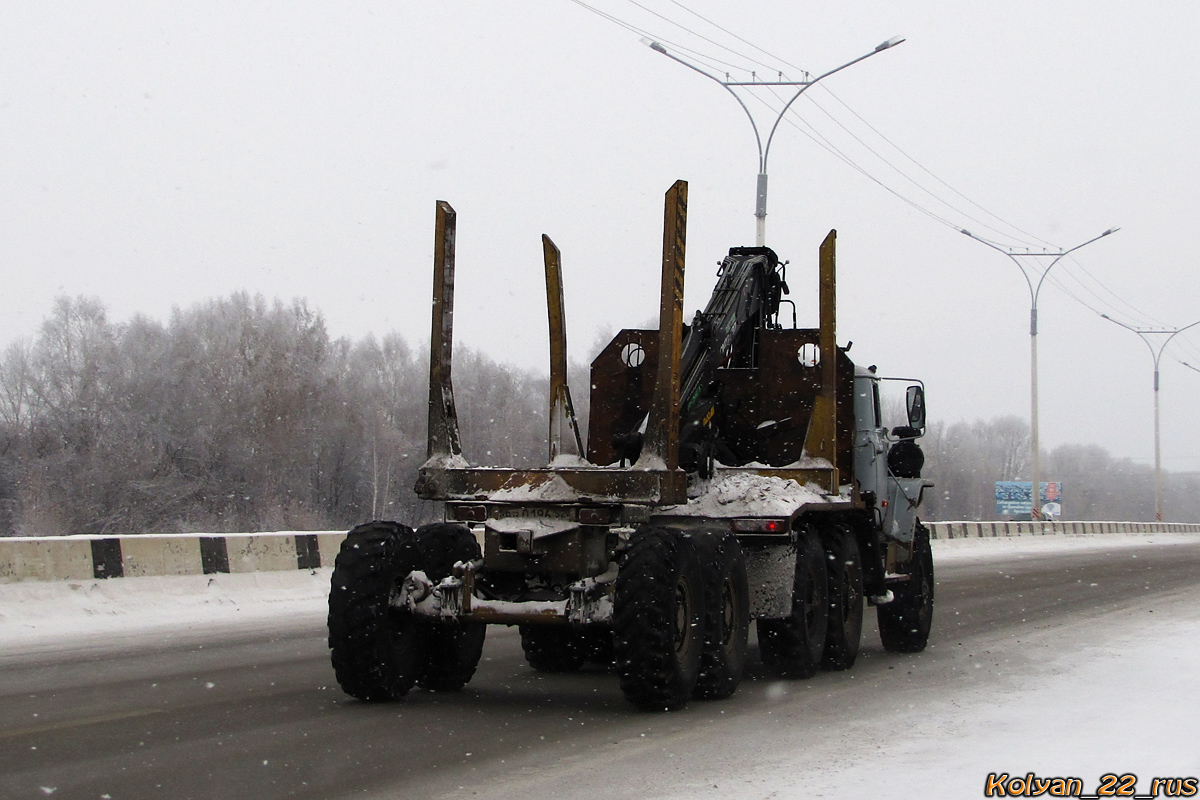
point(821, 440)
point(661, 447)
point(562, 410)
point(443, 418)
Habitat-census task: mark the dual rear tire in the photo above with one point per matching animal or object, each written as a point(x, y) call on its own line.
point(681, 618)
point(793, 647)
point(658, 620)
point(726, 615)
point(674, 642)
point(825, 627)
point(553, 648)
point(380, 650)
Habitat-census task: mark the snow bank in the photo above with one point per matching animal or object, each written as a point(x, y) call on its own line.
point(71, 612)
point(951, 550)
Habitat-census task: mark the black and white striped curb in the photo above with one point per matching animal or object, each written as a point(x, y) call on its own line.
point(55, 558)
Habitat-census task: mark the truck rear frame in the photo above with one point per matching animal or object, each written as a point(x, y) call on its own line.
point(808, 520)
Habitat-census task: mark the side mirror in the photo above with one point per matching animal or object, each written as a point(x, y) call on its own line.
point(915, 400)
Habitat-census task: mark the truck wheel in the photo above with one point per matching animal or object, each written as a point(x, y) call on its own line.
point(377, 650)
point(904, 623)
point(452, 649)
point(844, 566)
point(658, 620)
point(726, 614)
point(442, 545)
point(452, 652)
point(598, 643)
point(553, 648)
point(793, 647)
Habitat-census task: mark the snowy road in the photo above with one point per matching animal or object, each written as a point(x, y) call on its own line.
point(1064, 656)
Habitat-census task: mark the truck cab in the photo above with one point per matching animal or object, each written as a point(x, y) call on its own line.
point(887, 463)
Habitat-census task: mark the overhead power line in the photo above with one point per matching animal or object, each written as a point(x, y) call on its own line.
point(934, 197)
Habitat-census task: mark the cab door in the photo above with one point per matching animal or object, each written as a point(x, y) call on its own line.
point(870, 444)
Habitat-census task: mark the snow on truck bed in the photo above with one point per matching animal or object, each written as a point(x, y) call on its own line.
point(747, 494)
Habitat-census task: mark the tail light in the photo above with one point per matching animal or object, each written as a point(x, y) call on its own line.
point(759, 525)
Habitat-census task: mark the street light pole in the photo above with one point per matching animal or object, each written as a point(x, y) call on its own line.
point(1035, 290)
point(760, 205)
point(1144, 334)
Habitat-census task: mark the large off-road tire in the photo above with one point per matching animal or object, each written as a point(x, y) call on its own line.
point(726, 614)
point(844, 568)
point(444, 544)
point(658, 620)
point(904, 623)
point(452, 652)
point(452, 649)
point(598, 643)
point(377, 651)
point(553, 648)
point(793, 647)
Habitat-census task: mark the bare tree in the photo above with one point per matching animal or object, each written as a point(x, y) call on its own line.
point(242, 414)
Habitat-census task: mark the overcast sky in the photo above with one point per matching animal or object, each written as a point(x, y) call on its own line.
point(157, 154)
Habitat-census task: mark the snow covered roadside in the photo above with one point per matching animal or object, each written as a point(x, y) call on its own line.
point(40, 615)
point(1110, 695)
point(954, 550)
point(1081, 696)
point(1113, 694)
point(37, 613)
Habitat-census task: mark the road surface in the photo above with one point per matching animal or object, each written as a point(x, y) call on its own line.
point(255, 713)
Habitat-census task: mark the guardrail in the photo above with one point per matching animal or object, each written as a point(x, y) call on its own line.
point(965, 530)
point(58, 558)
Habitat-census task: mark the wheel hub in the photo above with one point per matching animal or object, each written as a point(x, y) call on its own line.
point(683, 622)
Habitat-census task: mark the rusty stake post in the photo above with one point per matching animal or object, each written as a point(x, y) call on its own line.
point(661, 448)
point(443, 418)
point(821, 440)
point(562, 410)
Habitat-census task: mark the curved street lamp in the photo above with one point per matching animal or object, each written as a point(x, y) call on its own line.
point(760, 208)
point(1035, 496)
point(1144, 334)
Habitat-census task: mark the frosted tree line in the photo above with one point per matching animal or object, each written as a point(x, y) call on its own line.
point(965, 459)
point(236, 415)
point(240, 414)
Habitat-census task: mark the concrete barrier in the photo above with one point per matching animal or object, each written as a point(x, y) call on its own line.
point(56, 558)
point(155, 555)
point(960, 530)
point(47, 560)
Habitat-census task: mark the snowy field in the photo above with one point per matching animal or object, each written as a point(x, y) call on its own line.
point(1104, 693)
